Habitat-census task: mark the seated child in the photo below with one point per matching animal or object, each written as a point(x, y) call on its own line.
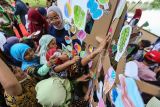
point(30, 63)
point(137, 51)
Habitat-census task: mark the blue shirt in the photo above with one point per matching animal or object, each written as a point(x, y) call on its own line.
point(59, 35)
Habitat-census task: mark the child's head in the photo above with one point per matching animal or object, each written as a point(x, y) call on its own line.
point(144, 43)
point(47, 42)
point(152, 57)
point(29, 54)
point(52, 44)
point(30, 43)
point(22, 52)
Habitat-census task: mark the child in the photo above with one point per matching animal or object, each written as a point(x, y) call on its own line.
point(144, 72)
point(76, 68)
point(30, 62)
point(138, 50)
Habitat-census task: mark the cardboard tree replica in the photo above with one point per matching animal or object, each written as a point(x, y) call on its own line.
point(109, 20)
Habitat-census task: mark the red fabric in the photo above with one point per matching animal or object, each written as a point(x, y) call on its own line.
point(16, 33)
point(23, 29)
point(153, 56)
point(50, 53)
point(34, 15)
point(137, 14)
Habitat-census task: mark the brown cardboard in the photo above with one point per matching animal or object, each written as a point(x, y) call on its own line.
point(121, 66)
point(101, 26)
point(120, 23)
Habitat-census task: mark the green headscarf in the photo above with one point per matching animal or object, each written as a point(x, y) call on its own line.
point(44, 42)
point(54, 92)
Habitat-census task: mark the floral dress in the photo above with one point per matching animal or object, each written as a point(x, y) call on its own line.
point(27, 98)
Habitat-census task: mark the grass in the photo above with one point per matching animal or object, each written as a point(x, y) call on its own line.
point(36, 3)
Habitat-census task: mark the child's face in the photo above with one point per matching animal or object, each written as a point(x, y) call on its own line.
point(52, 44)
point(19, 73)
point(29, 55)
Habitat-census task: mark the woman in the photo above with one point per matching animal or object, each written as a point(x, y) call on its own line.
point(56, 27)
point(37, 23)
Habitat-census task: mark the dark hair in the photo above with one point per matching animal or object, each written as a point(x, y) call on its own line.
point(27, 4)
point(148, 61)
point(29, 42)
point(145, 43)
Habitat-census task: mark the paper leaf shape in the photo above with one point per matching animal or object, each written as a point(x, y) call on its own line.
point(67, 26)
point(123, 41)
point(100, 91)
point(79, 17)
point(109, 80)
point(67, 10)
point(145, 24)
point(68, 40)
point(73, 29)
point(90, 48)
point(113, 95)
point(2, 40)
point(69, 48)
point(77, 47)
point(101, 103)
point(103, 2)
point(64, 48)
point(120, 8)
point(94, 9)
point(81, 35)
point(82, 54)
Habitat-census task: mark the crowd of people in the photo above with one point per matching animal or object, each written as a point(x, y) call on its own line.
point(35, 71)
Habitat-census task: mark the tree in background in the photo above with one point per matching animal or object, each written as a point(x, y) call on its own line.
point(155, 4)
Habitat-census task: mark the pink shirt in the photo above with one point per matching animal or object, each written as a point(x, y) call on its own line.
point(144, 72)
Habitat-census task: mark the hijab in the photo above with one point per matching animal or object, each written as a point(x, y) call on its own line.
point(56, 9)
point(34, 15)
point(44, 42)
point(137, 14)
point(54, 92)
point(18, 51)
point(42, 11)
point(10, 42)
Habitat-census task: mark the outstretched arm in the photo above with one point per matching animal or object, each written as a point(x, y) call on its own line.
point(9, 81)
point(102, 45)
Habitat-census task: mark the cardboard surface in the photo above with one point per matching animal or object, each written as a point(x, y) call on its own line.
point(101, 26)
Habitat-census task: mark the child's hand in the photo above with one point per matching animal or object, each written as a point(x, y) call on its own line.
point(75, 59)
point(83, 78)
point(52, 61)
point(103, 44)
